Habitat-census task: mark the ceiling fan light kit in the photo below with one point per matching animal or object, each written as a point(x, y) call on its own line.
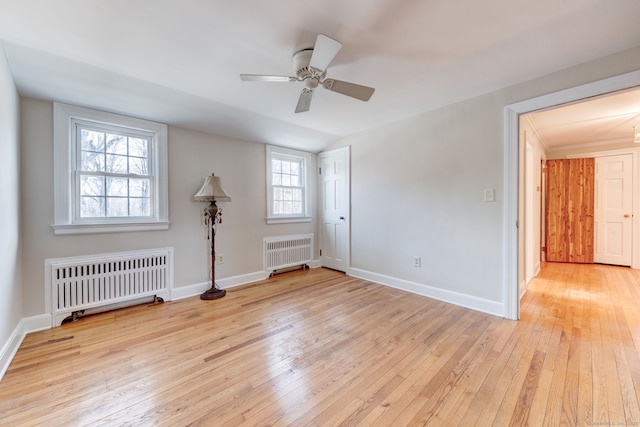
point(310, 66)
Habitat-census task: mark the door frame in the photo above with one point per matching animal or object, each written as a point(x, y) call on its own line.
point(511, 169)
point(320, 204)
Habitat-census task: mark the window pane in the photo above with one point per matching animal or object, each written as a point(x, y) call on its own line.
point(138, 147)
point(297, 207)
point(288, 208)
point(139, 187)
point(117, 206)
point(91, 140)
point(139, 207)
point(117, 187)
point(295, 181)
point(91, 185)
point(277, 207)
point(116, 144)
point(116, 164)
point(296, 194)
point(277, 179)
point(286, 180)
point(92, 162)
point(295, 168)
point(138, 166)
point(286, 167)
point(91, 207)
point(276, 165)
point(277, 194)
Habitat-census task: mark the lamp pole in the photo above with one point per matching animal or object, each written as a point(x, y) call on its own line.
point(213, 214)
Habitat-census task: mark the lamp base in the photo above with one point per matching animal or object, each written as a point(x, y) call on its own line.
point(213, 293)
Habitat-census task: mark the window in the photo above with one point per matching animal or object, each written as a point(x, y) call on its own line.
point(288, 198)
point(110, 172)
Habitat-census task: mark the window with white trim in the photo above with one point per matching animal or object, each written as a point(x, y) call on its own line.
point(288, 192)
point(110, 172)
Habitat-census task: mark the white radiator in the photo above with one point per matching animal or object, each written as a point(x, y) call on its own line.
point(287, 251)
point(111, 280)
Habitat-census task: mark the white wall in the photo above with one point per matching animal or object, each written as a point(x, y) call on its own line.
point(192, 156)
point(534, 153)
point(10, 260)
point(417, 190)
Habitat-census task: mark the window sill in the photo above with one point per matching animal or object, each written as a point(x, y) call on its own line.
point(66, 229)
point(280, 220)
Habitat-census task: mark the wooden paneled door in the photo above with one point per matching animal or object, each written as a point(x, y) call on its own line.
point(570, 210)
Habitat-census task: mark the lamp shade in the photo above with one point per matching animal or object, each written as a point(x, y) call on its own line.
point(211, 191)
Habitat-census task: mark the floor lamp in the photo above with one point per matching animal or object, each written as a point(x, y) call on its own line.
point(212, 192)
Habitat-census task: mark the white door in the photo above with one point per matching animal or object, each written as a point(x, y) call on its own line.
point(613, 210)
point(334, 208)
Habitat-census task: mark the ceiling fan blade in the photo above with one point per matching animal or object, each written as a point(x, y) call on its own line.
point(263, 78)
point(324, 51)
point(353, 90)
point(304, 102)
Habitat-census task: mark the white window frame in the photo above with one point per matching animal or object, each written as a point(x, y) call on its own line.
point(305, 158)
point(66, 190)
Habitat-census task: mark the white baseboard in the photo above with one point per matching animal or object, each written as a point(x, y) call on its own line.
point(10, 348)
point(467, 301)
point(189, 290)
point(225, 283)
point(37, 323)
point(243, 279)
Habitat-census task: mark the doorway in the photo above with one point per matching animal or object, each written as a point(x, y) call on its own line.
point(514, 169)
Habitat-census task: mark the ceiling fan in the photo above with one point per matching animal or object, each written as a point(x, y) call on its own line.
point(310, 66)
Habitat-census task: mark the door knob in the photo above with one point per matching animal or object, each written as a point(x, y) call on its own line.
point(342, 218)
point(626, 215)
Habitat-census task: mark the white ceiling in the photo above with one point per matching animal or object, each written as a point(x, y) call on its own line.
point(604, 120)
point(179, 61)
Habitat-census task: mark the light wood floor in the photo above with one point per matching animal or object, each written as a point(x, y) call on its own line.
point(320, 348)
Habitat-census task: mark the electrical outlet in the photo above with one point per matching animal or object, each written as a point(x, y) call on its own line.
point(417, 262)
point(220, 258)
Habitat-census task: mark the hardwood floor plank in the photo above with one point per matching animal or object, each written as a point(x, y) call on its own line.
point(521, 412)
point(321, 348)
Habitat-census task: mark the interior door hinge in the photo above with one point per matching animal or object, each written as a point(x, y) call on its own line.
point(319, 171)
point(320, 252)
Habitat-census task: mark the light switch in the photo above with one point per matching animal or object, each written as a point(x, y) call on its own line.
point(490, 195)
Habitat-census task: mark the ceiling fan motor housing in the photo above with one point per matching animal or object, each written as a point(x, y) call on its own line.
point(310, 76)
